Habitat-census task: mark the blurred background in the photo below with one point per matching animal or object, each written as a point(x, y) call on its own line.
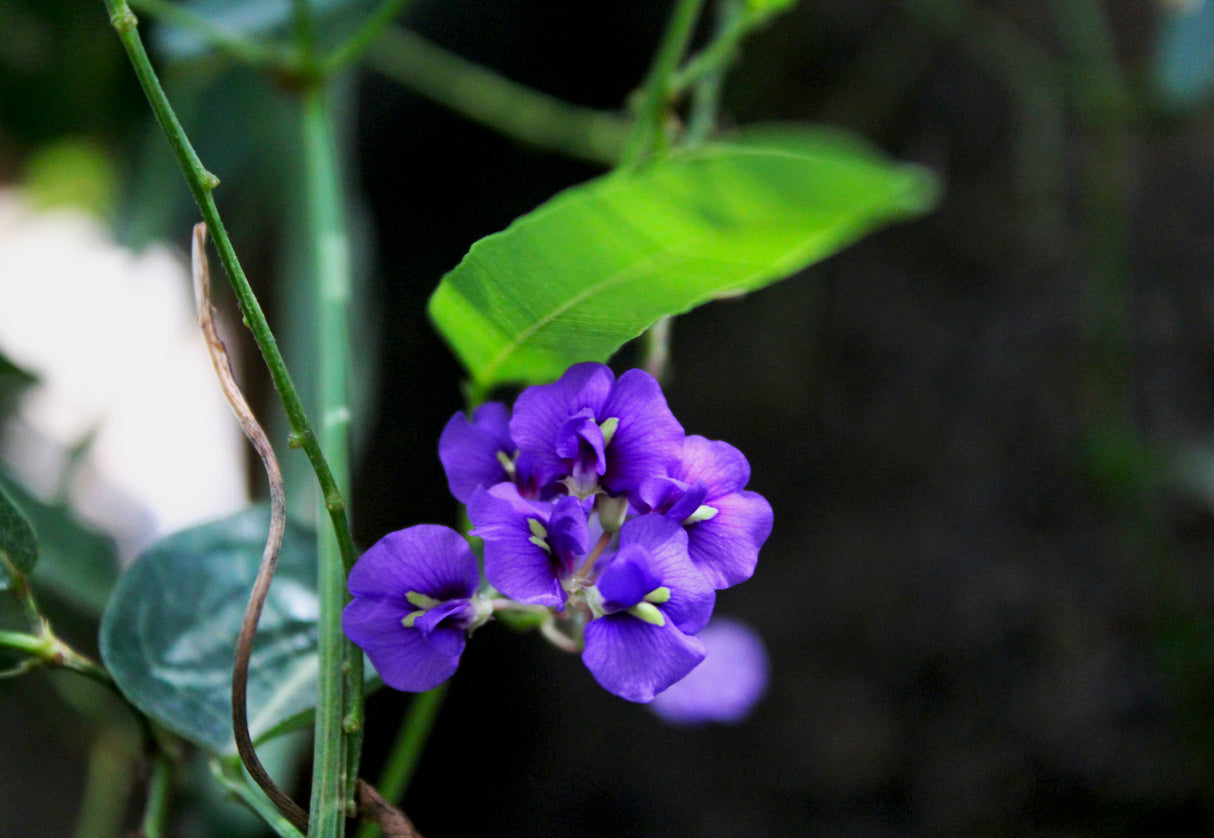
point(988, 436)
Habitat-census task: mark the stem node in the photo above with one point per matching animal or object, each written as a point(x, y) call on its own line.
point(124, 19)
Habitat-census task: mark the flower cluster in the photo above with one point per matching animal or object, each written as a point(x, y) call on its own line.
point(596, 511)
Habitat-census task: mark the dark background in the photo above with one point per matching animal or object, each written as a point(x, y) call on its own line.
point(987, 598)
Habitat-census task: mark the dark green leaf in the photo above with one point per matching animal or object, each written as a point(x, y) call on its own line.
point(76, 563)
point(18, 547)
point(168, 636)
point(598, 264)
point(13, 379)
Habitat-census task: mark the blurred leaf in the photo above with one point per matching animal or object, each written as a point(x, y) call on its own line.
point(599, 263)
point(766, 8)
point(1184, 56)
point(18, 547)
point(168, 635)
point(250, 20)
point(76, 563)
point(13, 380)
point(72, 172)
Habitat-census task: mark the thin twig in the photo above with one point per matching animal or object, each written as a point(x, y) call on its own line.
point(269, 557)
point(486, 97)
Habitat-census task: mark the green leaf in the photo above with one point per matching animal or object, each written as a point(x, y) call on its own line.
point(168, 635)
point(76, 563)
point(599, 263)
point(18, 546)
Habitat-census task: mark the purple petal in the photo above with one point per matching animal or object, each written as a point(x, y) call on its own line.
point(718, 465)
point(637, 660)
point(663, 540)
point(673, 498)
point(568, 531)
point(404, 658)
point(725, 687)
point(429, 559)
point(540, 411)
point(726, 547)
point(469, 449)
point(648, 438)
point(514, 564)
point(626, 579)
point(429, 622)
point(657, 494)
point(578, 433)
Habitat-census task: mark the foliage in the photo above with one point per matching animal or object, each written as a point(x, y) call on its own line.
point(689, 216)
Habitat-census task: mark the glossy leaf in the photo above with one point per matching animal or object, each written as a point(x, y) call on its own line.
point(601, 262)
point(18, 546)
point(168, 635)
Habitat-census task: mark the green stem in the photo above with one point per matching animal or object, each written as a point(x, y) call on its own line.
point(1102, 101)
point(733, 24)
point(303, 29)
point(357, 44)
point(406, 751)
point(339, 704)
point(201, 183)
point(156, 813)
point(328, 797)
point(706, 94)
point(52, 652)
point(513, 109)
point(648, 134)
point(107, 787)
point(252, 797)
point(657, 348)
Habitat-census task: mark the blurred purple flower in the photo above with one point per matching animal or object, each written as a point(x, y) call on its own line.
point(725, 687)
point(588, 431)
point(652, 601)
point(413, 604)
point(705, 491)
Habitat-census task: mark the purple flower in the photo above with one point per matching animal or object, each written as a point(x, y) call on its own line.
point(531, 547)
point(478, 452)
point(589, 431)
point(413, 604)
point(651, 601)
point(725, 687)
point(705, 491)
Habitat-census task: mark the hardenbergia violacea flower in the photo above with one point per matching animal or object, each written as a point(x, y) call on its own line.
point(596, 513)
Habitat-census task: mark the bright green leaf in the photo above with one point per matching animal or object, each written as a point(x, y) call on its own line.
point(168, 635)
point(18, 546)
point(599, 263)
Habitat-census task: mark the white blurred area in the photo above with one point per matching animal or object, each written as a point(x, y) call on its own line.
point(122, 369)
